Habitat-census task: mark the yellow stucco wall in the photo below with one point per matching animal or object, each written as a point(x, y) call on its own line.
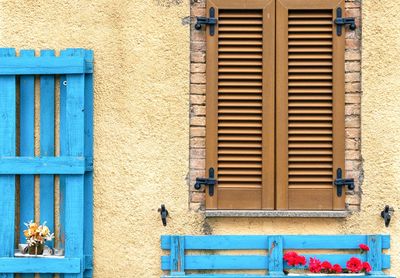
point(142, 122)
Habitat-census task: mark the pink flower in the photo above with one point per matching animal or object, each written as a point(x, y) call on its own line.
point(366, 266)
point(354, 265)
point(364, 247)
point(327, 266)
point(336, 268)
point(315, 265)
point(293, 259)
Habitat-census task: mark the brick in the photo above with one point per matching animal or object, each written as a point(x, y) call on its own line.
point(353, 13)
point(353, 133)
point(352, 165)
point(197, 153)
point(353, 87)
point(352, 55)
point(197, 143)
point(195, 206)
point(198, 46)
point(352, 77)
point(198, 78)
point(353, 66)
point(352, 155)
point(352, 43)
point(198, 197)
point(198, 99)
point(198, 67)
point(352, 121)
point(352, 144)
point(197, 131)
point(197, 163)
point(198, 36)
point(353, 98)
point(198, 121)
point(198, 57)
point(197, 89)
point(198, 110)
point(353, 4)
point(352, 109)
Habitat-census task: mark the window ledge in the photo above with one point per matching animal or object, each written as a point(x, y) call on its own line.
point(277, 213)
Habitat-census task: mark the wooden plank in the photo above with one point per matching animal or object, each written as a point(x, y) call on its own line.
point(27, 148)
point(7, 148)
point(44, 165)
point(265, 276)
point(260, 242)
point(88, 241)
point(204, 262)
point(177, 257)
point(44, 65)
point(63, 150)
point(220, 262)
point(275, 254)
point(374, 255)
point(74, 184)
point(47, 133)
point(39, 265)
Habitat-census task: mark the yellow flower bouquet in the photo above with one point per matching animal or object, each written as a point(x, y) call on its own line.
point(36, 235)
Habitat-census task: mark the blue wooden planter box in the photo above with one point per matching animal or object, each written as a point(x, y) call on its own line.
point(181, 262)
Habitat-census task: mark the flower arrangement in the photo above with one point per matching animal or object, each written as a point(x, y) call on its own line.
point(353, 265)
point(36, 235)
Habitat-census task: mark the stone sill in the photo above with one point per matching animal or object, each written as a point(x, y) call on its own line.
point(277, 213)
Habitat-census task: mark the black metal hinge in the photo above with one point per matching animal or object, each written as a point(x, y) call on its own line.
point(340, 21)
point(340, 182)
point(211, 21)
point(210, 182)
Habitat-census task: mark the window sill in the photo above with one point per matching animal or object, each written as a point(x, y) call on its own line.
point(277, 213)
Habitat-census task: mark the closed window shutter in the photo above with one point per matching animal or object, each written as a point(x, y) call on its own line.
point(240, 104)
point(309, 104)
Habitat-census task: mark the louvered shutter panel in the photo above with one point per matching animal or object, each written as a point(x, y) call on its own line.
point(240, 104)
point(310, 104)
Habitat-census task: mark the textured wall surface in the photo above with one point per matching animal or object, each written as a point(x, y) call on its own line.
point(142, 123)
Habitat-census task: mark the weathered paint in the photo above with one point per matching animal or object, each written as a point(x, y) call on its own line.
point(142, 124)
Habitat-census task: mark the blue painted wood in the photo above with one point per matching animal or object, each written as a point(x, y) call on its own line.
point(47, 134)
point(274, 246)
point(374, 255)
point(74, 189)
point(39, 265)
point(7, 148)
point(63, 148)
point(88, 242)
point(43, 165)
point(275, 262)
point(266, 276)
point(27, 148)
point(44, 65)
point(193, 262)
point(258, 242)
point(177, 258)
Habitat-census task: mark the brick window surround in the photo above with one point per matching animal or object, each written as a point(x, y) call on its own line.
point(353, 160)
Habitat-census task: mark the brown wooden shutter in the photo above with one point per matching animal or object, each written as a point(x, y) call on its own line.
point(240, 104)
point(309, 103)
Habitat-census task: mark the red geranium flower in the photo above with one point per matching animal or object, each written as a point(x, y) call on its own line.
point(336, 268)
point(354, 265)
point(293, 259)
point(366, 266)
point(327, 266)
point(315, 265)
point(300, 260)
point(364, 247)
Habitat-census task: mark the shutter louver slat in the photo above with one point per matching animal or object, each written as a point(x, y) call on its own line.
point(236, 95)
